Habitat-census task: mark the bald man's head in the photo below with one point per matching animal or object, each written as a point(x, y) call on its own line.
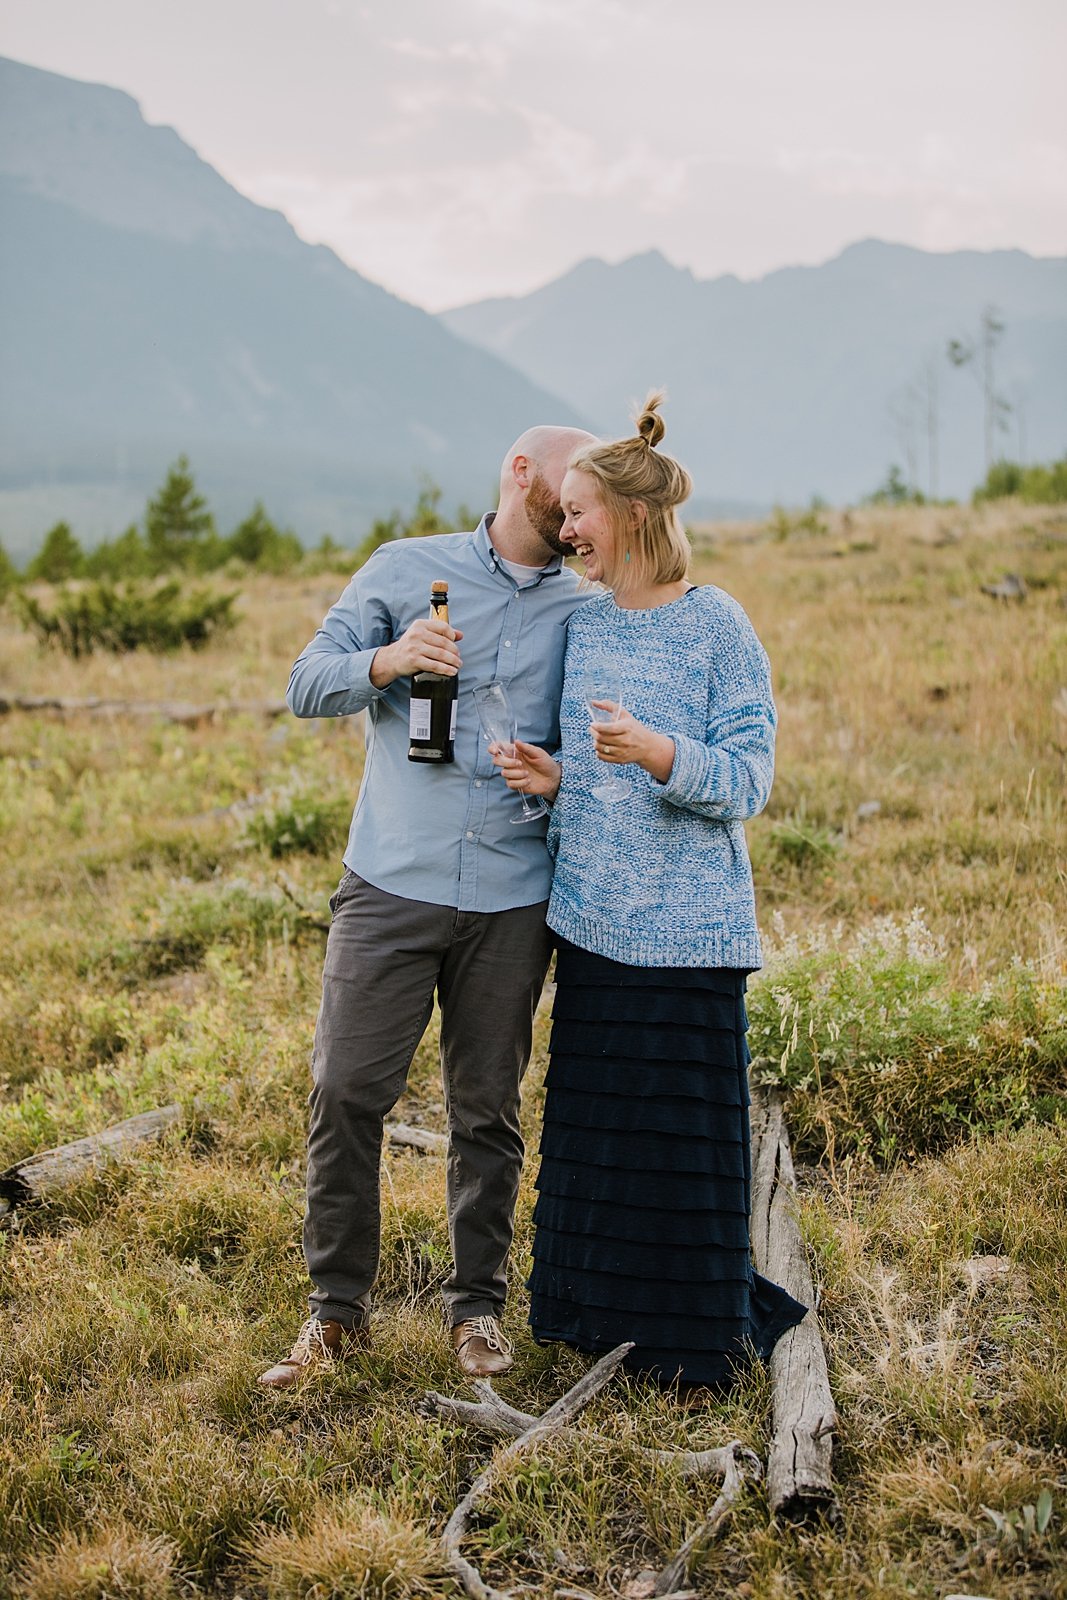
point(532, 473)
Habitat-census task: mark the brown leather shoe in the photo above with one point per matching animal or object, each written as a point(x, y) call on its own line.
point(318, 1343)
point(481, 1346)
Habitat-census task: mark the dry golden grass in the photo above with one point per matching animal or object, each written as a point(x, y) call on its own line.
point(153, 956)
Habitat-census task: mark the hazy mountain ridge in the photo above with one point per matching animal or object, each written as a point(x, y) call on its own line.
point(146, 308)
point(87, 146)
point(785, 386)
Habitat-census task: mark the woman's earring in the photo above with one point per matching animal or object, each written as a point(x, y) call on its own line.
point(626, 557)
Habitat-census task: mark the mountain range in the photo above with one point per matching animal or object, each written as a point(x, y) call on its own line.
point(812, 379)
point(148, 309)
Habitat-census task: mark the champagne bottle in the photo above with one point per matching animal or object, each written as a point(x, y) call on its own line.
point(432, 715)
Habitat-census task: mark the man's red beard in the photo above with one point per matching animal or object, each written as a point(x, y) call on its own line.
point(544, 513)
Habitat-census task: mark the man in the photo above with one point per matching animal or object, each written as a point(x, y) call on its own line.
point(440, 892)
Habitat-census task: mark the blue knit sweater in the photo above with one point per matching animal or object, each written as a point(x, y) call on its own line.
point(663, 878)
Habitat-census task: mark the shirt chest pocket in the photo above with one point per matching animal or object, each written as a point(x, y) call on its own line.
point(537, 679)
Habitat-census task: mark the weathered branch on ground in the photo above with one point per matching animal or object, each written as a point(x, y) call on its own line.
point(555, 1418)
point(38, 1176)
point(733, 1463)
point(493, 1415)
point(676, 1572)
point(190, 713)
point(804, 1419)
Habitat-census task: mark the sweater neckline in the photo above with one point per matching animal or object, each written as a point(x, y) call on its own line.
point(643, 612)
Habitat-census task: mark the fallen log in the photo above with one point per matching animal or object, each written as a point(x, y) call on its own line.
point(401, 1134)
point(189, 713)
point(804, 1419)
point(38, 1176)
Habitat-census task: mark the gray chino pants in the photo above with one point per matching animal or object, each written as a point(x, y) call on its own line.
point(385, 957)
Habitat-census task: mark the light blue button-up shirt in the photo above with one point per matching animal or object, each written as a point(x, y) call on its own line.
point(443, 833)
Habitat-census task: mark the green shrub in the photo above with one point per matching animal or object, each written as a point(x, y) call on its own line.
point(124, 557)
point(103, 617)
point(314, 823)
point(180, 931)
point(882, 1055)
point(1036, 486)
point(1002, 479)
point(1046, 485)
point(786, 525)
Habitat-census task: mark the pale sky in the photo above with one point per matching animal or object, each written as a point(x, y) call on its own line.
point(456, 149)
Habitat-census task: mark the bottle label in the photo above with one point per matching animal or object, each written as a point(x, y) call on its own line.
point(419, 719)
point(452, 723)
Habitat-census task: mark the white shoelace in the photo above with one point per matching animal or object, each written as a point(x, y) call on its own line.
point(310, 1343)
point(489, 1329)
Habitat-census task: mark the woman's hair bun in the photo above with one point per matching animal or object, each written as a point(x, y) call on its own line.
point(650, 425)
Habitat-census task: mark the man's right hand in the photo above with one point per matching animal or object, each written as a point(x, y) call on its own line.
point(528, 768)
point(427, 646)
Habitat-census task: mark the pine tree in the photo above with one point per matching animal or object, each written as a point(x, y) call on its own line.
point(59, 558)
point(177, 520)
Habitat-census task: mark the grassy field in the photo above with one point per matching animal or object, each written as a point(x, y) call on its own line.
point(161, 885)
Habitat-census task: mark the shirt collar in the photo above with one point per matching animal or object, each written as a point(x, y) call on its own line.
point(489, 555)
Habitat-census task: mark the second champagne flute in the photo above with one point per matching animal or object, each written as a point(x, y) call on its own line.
point(603, 681)
point(499, 727)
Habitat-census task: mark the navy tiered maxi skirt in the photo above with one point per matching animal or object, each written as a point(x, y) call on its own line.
point(642, 1215)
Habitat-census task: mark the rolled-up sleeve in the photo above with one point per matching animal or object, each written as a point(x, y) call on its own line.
point(331, 677)
point(729, 774)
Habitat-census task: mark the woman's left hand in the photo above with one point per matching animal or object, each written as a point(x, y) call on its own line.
point(626, 742)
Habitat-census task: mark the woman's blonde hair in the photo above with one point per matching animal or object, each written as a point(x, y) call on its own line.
point(640, 489)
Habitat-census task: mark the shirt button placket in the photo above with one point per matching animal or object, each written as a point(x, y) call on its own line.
point(509, 634)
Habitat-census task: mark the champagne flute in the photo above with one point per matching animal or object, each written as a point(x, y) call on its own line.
point(602, 680)
point(499, 727)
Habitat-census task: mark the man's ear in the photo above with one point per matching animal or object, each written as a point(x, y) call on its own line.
point(520, 471)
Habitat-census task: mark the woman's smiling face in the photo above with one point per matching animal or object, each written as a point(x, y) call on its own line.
point(587, 525)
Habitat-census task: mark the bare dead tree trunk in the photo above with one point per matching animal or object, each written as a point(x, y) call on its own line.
point(932, 421)
point(798, 1464)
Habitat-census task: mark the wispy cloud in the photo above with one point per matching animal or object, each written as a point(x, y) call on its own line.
point(484, 146)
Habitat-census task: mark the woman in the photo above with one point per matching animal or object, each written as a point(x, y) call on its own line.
point(642, 1218)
